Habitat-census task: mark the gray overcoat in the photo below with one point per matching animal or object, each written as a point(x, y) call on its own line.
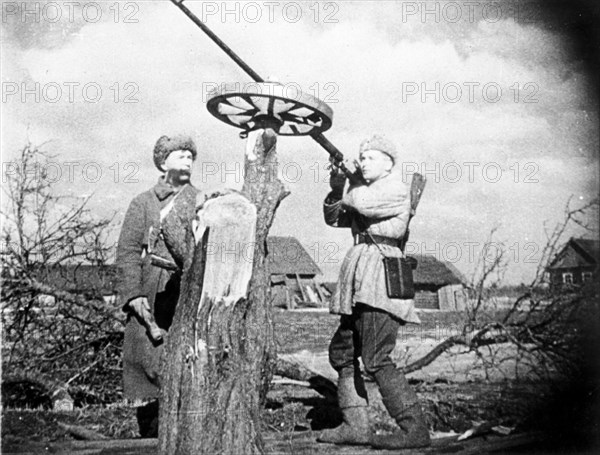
point(138, 277)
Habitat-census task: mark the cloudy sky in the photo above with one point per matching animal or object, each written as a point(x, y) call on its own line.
point(493, 102)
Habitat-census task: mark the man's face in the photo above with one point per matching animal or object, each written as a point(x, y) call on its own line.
point(179, 162)
point(374, 164)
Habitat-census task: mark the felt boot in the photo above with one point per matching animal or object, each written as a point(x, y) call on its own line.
point(147, 417)
point(355, 429)
point(402, 403)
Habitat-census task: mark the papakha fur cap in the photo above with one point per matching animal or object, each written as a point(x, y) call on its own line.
point(381, 143)
point(166, 145)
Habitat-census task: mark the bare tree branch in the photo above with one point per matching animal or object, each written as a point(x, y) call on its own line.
point(42, 319)
point(539, 322)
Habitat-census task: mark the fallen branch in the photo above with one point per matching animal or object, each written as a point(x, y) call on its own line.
point(287, 381)
point(297, 372)
point(70, 351)
point(476, 341)
point(52, 391)
point(86, 369)
point(82, 433)
point(434, 353)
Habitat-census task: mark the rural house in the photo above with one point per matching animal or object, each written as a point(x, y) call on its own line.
point(575, 264)
point(439, 285)
point(293, 273)
point(91, 280)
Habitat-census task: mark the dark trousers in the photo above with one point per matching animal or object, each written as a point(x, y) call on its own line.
point(369, 333)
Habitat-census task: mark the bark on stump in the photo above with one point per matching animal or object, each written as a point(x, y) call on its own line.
point(219, 357)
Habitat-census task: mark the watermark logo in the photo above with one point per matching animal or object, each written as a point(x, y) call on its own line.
point(472, 171)
point(449, 172)
point(468, 11)
point(70, 92)
point(72, 171)
point(253, 12)
point(436, 172)
point(453, 92)
point(52, 12)
point(473, 252)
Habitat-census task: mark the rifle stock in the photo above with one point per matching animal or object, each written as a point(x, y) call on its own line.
point(417, 186)
point(416, 191)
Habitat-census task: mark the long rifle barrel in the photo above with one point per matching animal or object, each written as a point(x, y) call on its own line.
point(337, 156)
point(319, 138)
point(236, 58)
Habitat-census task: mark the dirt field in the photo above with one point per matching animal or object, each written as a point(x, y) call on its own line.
point(454, 391)
point(303, 336)
point(312, 329)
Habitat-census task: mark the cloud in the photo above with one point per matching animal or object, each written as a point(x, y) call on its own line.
point(366, 65)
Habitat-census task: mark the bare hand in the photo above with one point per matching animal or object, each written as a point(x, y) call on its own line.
point(141, 309)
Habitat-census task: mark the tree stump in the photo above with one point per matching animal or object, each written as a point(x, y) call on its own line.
point(219, 353)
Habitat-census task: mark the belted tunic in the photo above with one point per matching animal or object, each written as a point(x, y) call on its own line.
point(382, 208)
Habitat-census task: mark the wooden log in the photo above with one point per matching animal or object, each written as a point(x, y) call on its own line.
point(298, 372)
point(299, 442)
point(220, 350)
point(79, 432)
point(320, 292)
point(312, 296)
point(304, 298)
point(288, 300)
point(36, 391)
point(113, 446)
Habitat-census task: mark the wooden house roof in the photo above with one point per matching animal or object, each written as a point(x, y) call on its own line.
point(287, 256)
point(432, 271)
point(577, 252)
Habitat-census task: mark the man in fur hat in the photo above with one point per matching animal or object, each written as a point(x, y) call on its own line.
point(150, 276)
point(369, 318)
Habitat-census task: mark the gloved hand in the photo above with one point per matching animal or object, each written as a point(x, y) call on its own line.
point(337, 182)
point(357, 170)
point(141, 309)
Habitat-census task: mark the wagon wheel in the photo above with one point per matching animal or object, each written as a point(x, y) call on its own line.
point(268, 104)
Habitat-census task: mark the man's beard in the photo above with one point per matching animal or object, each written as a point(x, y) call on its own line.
point(183, 176)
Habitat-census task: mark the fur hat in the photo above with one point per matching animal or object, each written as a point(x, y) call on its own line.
point(166, 145)
point(381, 143)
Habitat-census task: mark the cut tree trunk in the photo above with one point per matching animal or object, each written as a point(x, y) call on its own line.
point(219, 353)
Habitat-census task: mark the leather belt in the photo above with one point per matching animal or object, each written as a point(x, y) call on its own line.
point(372, 239)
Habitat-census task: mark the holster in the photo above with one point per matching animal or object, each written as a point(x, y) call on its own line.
point(159, 254)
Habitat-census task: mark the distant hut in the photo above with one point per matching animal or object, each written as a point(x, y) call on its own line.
point(292, 269)
point(93, 281)
point(293, 273)
point(575, 264)
point(439, 285)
